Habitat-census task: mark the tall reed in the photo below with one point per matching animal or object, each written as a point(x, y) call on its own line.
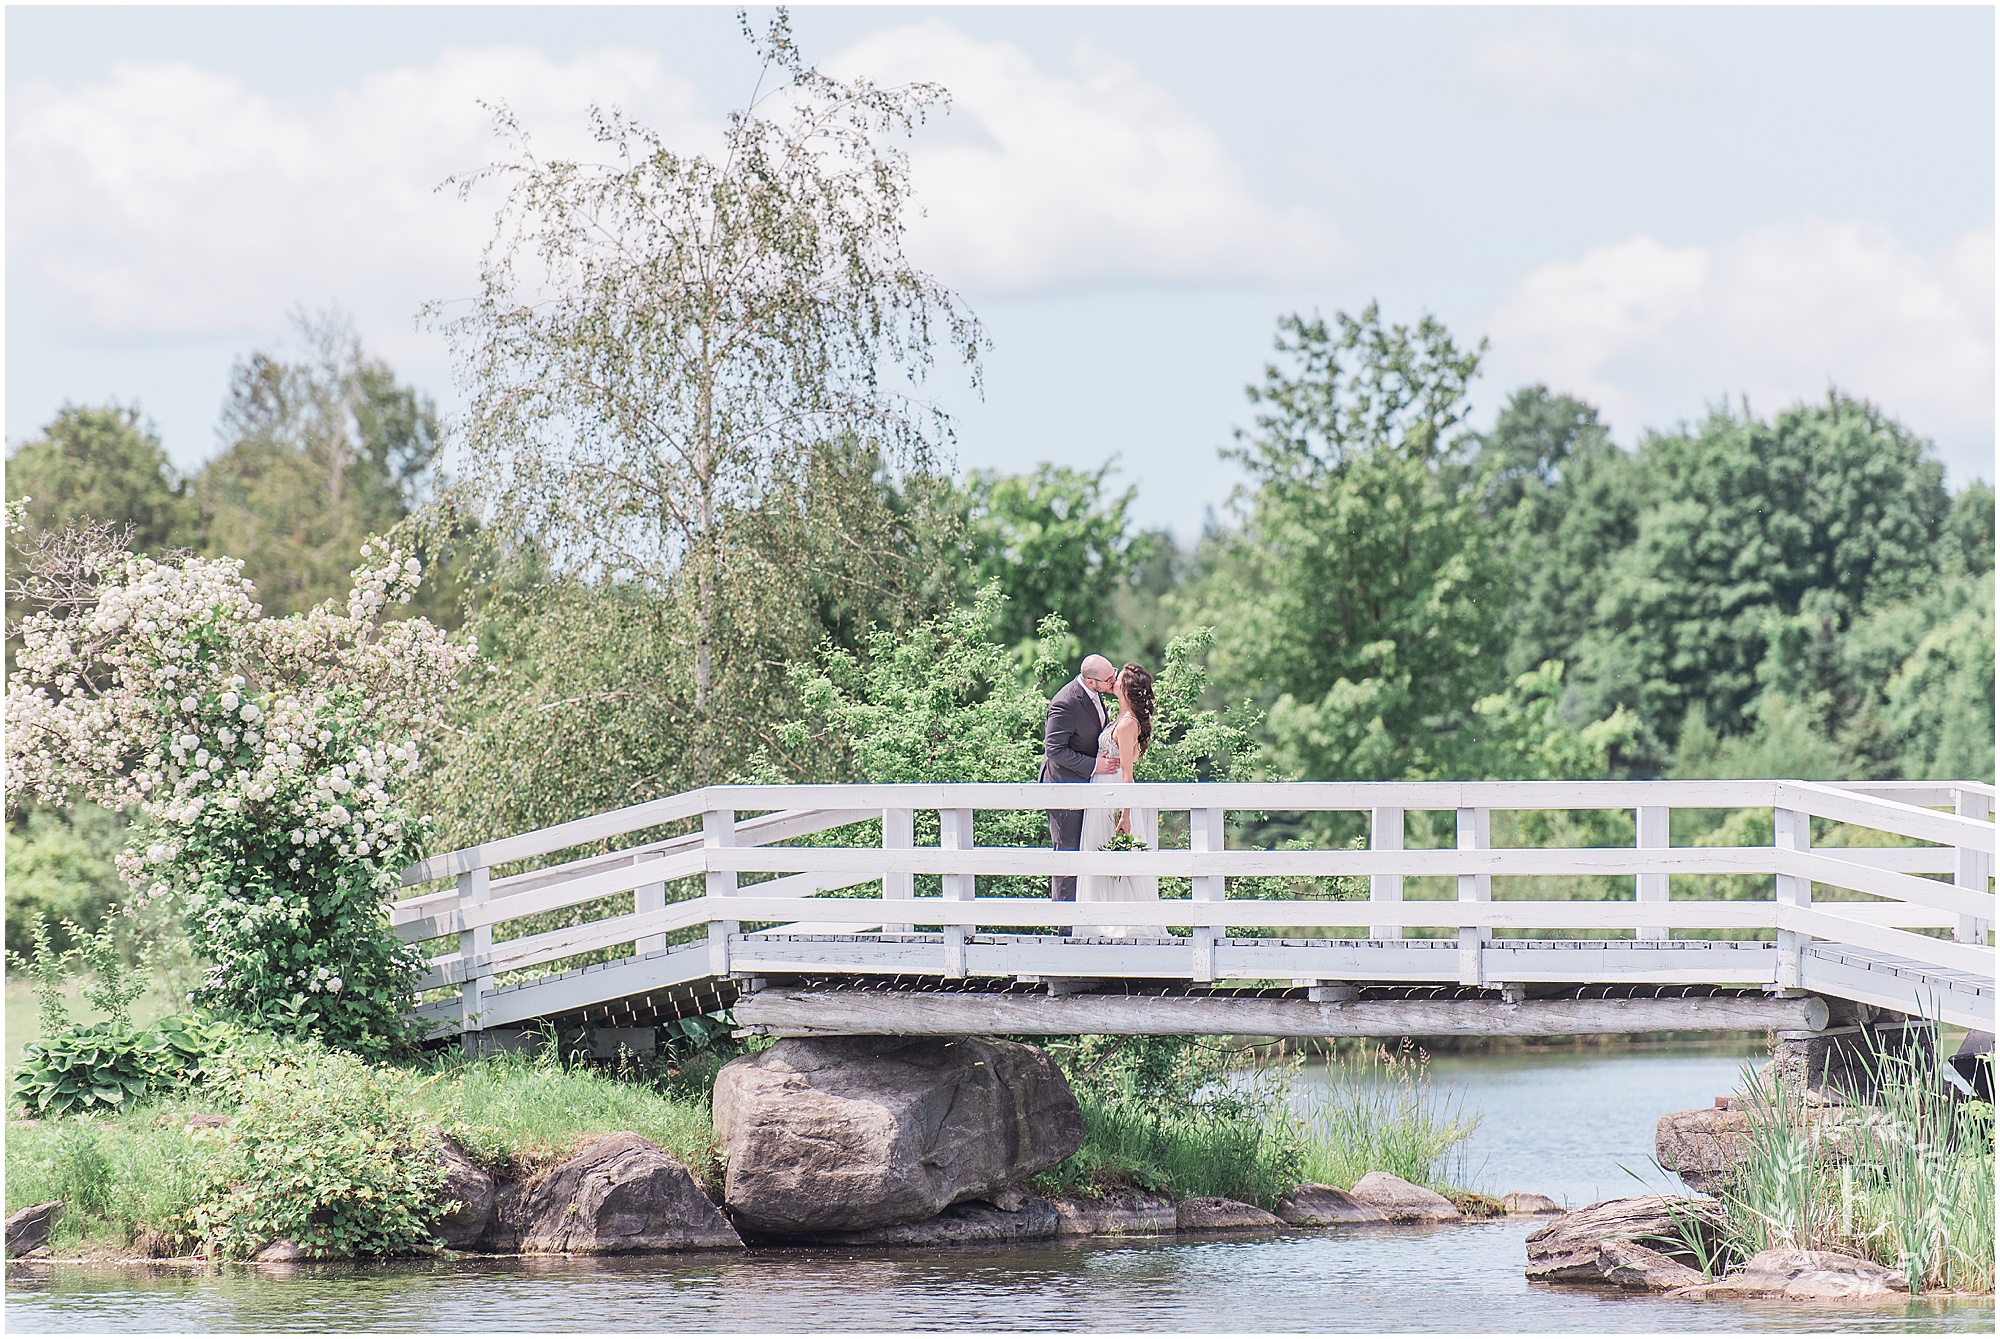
point(1906, 1182)
point(1377, 1111)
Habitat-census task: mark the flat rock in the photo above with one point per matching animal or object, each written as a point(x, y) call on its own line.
point(843, 1134)
point(963, 1224)
point(1210, 1213)
point(1120, 1213)
point(619, 1195)
point(1311, 1204)
point(1803, 1276)
point(471, 1191)
point(281, 1252)
point(28, 1229)
point(1567, 1248)
point(1528, 1202)
point(1401, 1202)
point(1639, 1268)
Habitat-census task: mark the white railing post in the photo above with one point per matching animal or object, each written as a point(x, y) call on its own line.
point(1651, 821)
point(1206, 832)
point(955, 834)
point(1791, 831)
point(1971, 868)
point(474, 947)
point(1474, 834)
point(899, 833)
point(718, 829)
point(1385, 833)
point(649, 897)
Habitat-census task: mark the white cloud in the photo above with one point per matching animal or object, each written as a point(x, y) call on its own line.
point(1650, 332)
point(1550, 67)
point(1037, 181)
point(167, 200)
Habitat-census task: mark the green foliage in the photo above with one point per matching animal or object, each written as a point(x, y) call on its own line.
point(61, 867)
point(327, 1151)
point(83, 1066)
point(1192, 742)
point(1361, 599)
point(105, 463)
point(1527, 738)
point(1053, 542)
point(321, 451)
point(1173, 1114)
point(119, 1174)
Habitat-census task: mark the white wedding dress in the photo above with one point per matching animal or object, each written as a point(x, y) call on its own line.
point(1098, 825)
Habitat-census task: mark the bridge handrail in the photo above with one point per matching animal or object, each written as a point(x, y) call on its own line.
point(729, 847)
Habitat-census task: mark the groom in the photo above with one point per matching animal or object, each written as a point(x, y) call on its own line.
point(1069, 753)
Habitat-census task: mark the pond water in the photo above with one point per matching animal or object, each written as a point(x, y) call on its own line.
point(1565, 1124)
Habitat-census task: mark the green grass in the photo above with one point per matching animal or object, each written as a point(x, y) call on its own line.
point(1378, 1112)
point(123, 1174)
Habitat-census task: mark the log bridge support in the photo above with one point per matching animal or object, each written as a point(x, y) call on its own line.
point(790, 1012)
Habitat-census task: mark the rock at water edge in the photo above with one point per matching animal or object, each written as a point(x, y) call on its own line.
point(1641, 1268)
point(1209, 1213)
point(283, 1251)
point(621, 1194)
point(1568, 1248)
point(1311, 1204)
point(28, 1229)
point(1119, 1213)
point(471, 1189)
point(1402, 1202)
point(963, 1224)
point(1528, 1202)
point(833, 1134)
point(1803, 1276)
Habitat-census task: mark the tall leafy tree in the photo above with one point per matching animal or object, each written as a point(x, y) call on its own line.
point(666, 347)
point(322, 449)
point(1055, 540)
point(1360, 598)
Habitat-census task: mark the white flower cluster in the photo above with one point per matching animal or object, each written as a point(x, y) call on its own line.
point(174, 694)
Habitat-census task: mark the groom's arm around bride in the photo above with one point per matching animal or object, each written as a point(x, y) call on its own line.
point(1069, 753)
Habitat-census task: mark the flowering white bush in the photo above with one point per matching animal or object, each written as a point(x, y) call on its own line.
point(265, 756)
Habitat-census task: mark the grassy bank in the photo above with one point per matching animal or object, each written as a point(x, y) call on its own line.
point(1173, 1114)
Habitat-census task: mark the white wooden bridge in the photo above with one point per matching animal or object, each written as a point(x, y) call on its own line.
point(764, 907)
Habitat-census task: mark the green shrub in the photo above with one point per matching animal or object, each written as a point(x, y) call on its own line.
point(93, 1064)
point(326, 1150)
point(61, 868)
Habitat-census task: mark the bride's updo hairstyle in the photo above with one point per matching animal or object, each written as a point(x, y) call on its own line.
point(1138, 683)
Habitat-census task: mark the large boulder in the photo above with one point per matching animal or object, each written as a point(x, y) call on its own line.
point(28, 1229)
point(1314, 1205)
point(1802, 1276)
point(470, 1190)
point(621, 1194)
point(842, 1134)
point(1118, 1213)
point(1571, 1248)
point(1401, 1202)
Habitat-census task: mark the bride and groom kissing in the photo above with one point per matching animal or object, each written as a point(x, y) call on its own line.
point(1085, 741)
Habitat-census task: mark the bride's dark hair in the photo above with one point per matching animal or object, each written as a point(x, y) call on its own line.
point(1138, 683)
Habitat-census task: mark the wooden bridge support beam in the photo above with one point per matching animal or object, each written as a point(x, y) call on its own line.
point(784, 1012)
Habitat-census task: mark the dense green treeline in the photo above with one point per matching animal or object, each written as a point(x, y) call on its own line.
point(1394, 593)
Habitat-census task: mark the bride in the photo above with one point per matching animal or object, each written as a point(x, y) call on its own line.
point(1119, 748)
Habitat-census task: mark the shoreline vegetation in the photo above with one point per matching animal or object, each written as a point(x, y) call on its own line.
point(1177, 1115)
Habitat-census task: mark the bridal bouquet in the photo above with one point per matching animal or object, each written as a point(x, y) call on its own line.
point(1124, 841)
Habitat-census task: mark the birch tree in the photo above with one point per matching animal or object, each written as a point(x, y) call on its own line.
point(667, 349)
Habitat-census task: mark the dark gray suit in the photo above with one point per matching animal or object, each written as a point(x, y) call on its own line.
point(1069, 753)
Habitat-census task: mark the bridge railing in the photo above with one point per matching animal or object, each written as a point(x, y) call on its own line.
point(752, 872)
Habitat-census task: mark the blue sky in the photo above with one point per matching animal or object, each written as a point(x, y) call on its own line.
point(1651, 207)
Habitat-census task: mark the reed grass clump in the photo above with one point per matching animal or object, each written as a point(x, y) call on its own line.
point(1907, 1183)
point(1379, 1112)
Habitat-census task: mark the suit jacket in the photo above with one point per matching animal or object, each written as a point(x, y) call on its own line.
point(1069, 739)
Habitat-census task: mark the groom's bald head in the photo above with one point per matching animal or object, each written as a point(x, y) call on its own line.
point(1098, 673)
